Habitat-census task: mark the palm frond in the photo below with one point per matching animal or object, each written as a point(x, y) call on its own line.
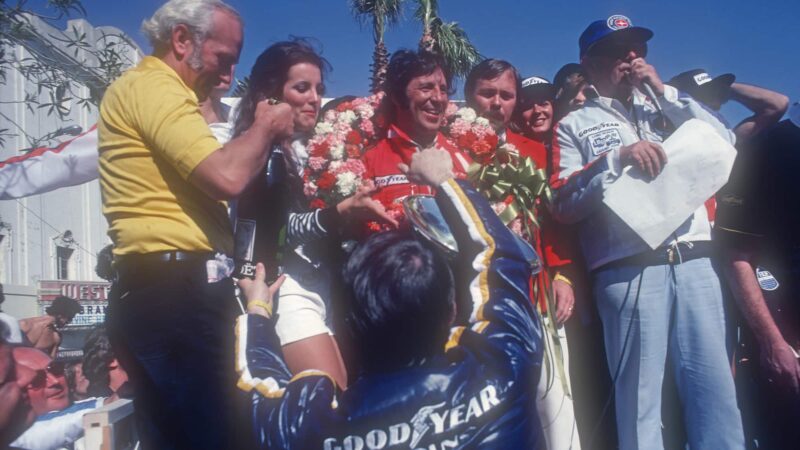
point(426, 10)
point(379, 12)
point(453, 45)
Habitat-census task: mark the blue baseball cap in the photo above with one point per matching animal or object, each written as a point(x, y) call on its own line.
point(616, 25)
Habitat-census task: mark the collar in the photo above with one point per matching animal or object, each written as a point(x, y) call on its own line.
point(402, 144)
point(794, 113)
point(153, 63)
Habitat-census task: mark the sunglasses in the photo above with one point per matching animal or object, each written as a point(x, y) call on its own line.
point(619, 50)
point(56, 368)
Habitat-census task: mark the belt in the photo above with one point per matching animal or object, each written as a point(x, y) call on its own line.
point(161, 257)
point(677, 253)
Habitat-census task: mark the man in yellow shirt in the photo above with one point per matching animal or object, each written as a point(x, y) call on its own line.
point(164, 180)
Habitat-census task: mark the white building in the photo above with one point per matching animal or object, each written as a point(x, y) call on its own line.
point(53, 236)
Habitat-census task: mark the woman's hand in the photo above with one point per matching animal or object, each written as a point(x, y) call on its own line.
point(565, 300)
point(362, 206)
point(258, 293)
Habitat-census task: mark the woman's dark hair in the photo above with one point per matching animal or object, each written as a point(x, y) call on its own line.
point(406, 65)
point(398, 301)
point(488, 69)
point(269, 74)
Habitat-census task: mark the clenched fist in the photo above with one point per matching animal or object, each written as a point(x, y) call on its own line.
point(276, 119)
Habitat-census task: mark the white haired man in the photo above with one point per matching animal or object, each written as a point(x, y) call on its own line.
point(164, 180)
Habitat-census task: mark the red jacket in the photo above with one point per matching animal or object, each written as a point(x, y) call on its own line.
point(381, 162)
point(554, 245)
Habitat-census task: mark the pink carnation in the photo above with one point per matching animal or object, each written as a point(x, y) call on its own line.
point(310, 189)
point(367, 127)
point(316, 163)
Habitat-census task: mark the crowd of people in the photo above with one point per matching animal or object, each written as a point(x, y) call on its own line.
point(339, 338)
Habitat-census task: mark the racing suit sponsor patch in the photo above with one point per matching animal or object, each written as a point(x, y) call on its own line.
point(434, 418)
point(766, 280)
point(390, 180)
point(603, 141)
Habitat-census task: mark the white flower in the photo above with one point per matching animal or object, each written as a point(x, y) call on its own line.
point(346, 116)
point(482, 121)
point(334, 166)
point(365, 111)
point(468, 114)
point(323, 128)
point(337, 152)
point(347, 183)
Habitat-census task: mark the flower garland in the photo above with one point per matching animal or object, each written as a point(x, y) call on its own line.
point(335, 170)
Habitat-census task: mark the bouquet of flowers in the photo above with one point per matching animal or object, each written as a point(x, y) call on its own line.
point(512, 183)
point(334, 170)
point(471, 133)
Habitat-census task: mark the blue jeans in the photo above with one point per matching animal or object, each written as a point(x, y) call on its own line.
point(172, 331)
point(677, 311)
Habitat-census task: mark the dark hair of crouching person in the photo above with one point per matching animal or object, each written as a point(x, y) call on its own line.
point(398, 303)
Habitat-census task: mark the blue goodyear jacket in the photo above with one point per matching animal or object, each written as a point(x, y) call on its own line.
point(478, 394)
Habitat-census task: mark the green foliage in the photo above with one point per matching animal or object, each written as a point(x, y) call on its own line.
point(448, 40)
point(455, 48)
point(380, 13)
point(61, 63)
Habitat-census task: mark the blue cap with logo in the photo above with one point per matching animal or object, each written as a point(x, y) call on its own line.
point(616, 25)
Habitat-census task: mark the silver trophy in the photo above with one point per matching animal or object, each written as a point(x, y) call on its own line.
point(427, 221)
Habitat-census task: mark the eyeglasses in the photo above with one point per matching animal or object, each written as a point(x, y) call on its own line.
point(39, 381)
point(619, 49)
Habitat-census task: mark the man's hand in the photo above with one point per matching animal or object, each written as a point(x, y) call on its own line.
point(565, 300)
point(648, 157)
point(782, 366)
point(276, 119)
point(640, 73)
point(431, 166)
point(363, 207)
point(258, 293)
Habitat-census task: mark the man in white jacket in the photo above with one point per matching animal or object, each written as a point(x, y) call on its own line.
point(653, 303)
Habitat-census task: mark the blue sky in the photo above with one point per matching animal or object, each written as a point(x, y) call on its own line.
point(755, 40)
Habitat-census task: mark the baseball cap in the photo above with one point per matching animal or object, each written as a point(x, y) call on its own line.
point(536, 88)
point(565, 72)
point(700, 85)
point(617, 25)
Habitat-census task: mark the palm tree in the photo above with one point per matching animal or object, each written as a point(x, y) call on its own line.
point(448, 40)
point(381, 13)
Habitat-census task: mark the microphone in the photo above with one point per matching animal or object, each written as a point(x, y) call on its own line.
point(648, 88)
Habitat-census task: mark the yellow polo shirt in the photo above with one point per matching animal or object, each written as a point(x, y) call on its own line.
point(151, 138)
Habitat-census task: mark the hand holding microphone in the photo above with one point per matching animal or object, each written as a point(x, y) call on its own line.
point(642, 75)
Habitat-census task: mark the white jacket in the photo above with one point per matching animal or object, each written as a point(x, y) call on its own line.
point(586, 160)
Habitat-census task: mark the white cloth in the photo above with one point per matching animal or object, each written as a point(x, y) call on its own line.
point(9, 329)
point(57, 429)
point(42, 170)
point(555, 407)
point(700, 162)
